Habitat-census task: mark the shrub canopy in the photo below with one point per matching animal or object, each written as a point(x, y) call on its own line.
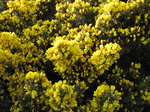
point(74, 55)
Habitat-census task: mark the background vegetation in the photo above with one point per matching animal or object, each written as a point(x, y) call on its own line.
point(74, 56)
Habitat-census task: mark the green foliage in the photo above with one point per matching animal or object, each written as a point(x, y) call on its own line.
point(74, 56)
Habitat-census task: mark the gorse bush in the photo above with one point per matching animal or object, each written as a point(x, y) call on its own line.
point(74, 56)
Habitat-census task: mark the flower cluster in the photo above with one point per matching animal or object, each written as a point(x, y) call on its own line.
point(40, 33)
point(105, 57)
point(146, 96)
point(64, 53)
point(9, 41)
point(144, 90)
point(74, 14)
point(61, 97)
point(31, 97)
point(21, 14)
point(122, 23)
point(106, 99)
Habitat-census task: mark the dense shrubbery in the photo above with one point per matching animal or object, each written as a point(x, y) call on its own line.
point(74, 56)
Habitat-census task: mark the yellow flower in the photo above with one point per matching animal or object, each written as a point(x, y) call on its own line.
point(112, 88)
point(137, 65)
point(34, 94)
